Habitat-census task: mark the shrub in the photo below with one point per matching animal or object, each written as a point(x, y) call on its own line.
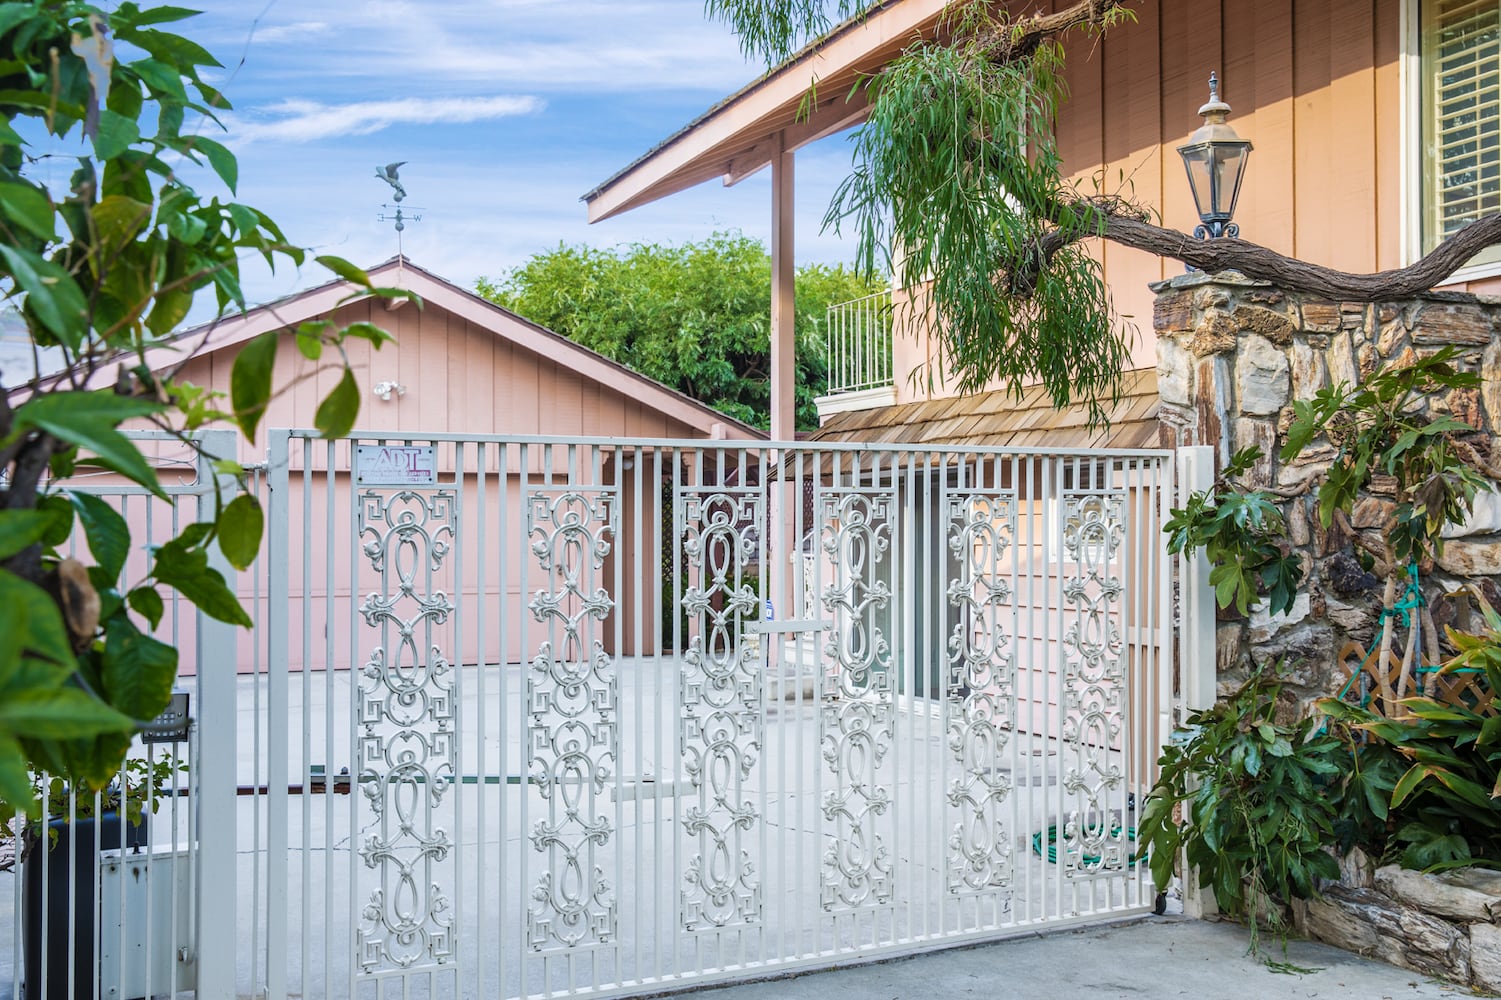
point(1254, 814)
point(1437, 768)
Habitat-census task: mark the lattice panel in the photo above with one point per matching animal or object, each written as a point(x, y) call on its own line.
point(1468, 690)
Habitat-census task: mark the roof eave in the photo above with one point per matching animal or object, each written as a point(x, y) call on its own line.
point(730, 140)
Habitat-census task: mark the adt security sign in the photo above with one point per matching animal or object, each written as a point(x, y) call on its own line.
point(395, 465)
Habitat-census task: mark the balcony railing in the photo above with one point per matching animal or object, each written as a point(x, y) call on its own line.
point(859, 344)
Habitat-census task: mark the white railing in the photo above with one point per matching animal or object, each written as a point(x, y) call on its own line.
point(858, 338)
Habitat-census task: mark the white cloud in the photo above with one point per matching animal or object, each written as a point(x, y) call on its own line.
point(296, 31)
point(309, 121)
point(536, 45)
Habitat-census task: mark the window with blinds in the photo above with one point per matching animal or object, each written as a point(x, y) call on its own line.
point(1462, 110)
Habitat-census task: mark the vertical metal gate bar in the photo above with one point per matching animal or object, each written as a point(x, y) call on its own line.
point(504, 763)
point(98, 945)
point(793, 663)
point(481, 729)
point(1132, 661)
point(1140, 524)
point(1162, 576)
point(213, 777)
point(935, 470)
point(330, 590)
point(279, 548)
point(617, 618)
point(352, 627)
point(1052, 564)
point(645, 596)
point(456, 659)
point(523, 866)
point(304, 771)
point(667, 720)
point(912, 585)
point(1021, 776)
point(1140, 518)
point(257, 665)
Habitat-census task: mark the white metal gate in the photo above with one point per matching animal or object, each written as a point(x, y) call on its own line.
point(541, 716)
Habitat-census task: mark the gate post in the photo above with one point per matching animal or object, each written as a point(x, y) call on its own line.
point(1196, 648)
point(217, 755)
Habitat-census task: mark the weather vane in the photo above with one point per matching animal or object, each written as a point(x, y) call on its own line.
point(389, 174)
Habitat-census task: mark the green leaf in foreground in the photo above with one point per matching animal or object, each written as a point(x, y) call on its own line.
point(337, 413)
point(138, 670)
point(20, 529)
point(89, 420)
point(240, 527)
point(250, 382)
point(187, 570)
point(107, 533)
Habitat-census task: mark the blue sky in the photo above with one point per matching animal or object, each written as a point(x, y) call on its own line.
point(507, 111)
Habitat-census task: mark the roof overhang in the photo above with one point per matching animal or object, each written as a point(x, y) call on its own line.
point(741, 134)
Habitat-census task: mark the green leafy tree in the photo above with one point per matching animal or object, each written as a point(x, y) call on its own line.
point(691, 316)
point(103, 269)
point(957, 166)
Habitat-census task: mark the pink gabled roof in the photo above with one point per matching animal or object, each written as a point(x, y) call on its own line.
point(737, 136)
point(436, 291)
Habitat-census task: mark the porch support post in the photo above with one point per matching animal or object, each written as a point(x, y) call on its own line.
point(783, 341)
point(215, 935)
point(1198, 650)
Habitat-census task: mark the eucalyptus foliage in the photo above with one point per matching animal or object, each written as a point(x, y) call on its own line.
point(957, 189)
point(103, 269)
point(774, 29)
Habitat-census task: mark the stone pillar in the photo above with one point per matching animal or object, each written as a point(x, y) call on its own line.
point(1233, 356)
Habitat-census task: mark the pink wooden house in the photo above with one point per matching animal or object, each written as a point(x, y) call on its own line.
point(460, 365)
point(1374, 122)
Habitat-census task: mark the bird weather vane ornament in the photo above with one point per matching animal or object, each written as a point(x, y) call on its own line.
point(390, 174)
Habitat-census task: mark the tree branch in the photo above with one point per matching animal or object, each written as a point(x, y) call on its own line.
point(1008, 42)
point(1105, 219)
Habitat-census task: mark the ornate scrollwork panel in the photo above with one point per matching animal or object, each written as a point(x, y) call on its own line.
point(1094, 839)
point(572, 703)
point(856, 716)
point(406, 727)
point(980, 703)
point(720, 702)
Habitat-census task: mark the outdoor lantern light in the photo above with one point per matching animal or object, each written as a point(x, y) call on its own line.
point(1216, 161)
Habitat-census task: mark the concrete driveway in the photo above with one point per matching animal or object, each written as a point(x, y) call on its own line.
point(1152, 957)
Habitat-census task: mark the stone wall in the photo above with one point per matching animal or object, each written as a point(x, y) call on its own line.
point(1446, 925)
point(1232, 355)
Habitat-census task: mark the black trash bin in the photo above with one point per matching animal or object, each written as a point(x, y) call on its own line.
point(52, 916)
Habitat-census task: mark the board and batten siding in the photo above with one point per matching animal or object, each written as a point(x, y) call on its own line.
point(460, 378)
point(1315, 87)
